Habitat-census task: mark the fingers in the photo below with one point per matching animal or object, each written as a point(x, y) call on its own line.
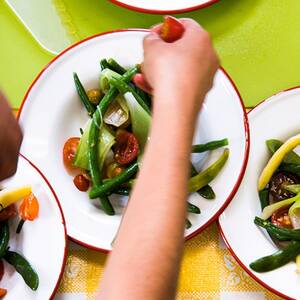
point(140, 81)
point(150, 39)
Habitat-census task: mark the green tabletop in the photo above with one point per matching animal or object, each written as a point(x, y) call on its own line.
point(258, 42)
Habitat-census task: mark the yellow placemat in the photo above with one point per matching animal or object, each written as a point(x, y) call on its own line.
point(208, 272)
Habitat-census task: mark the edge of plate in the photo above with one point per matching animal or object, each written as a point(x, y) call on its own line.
point(62, 220)
point(249, 272)
point(246, 130)
point(162, 12)
point(246, 269)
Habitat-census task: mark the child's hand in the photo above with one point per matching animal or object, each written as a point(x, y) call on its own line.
point(185, 67)
point(10, 140)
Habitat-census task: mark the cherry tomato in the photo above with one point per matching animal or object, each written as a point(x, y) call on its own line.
point(8, 213)
point(69, 152)
point(172, 29)
point(281, 218)
point(81, 182)
point(277, 183)
point(126, 148)
point(3, 292)
point(29, 208)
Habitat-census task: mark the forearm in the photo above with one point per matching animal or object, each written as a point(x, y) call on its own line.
point(146, 255)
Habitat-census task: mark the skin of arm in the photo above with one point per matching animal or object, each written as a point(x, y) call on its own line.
point(10, 140)
point(145, 260)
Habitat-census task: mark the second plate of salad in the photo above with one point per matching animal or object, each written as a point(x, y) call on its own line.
point(86, 126)
point(261, 226)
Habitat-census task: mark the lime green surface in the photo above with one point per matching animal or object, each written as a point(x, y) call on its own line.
point(258, 42)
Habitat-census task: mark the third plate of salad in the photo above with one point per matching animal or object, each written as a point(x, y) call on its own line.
point(261, 226)
point(86, 126)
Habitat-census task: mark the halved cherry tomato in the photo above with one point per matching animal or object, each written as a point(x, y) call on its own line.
point(29, 208)
point(126, 148)
point(69, 152)
point(1, 269)
point(81, 182)
point(3, 292)
point(281, 218)
point(172, 29)
point(277, 183)
point(8, 213)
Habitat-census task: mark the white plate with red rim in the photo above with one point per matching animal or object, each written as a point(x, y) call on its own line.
point(165, 6)
point(42, 242)
point(52, 112)
point(275, 118)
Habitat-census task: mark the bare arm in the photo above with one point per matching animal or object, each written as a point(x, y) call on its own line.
point(145, 261)
point(10, 140)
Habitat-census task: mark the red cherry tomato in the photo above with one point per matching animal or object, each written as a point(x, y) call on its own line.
point(69, 152)
point(8, 213)
point(3, 292)
point(281, 218)
point(126, 148)
point(172, 29)
point(81, 182)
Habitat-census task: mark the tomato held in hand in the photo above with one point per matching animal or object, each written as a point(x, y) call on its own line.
point(126, 148)
point(172, 29)
point(8, 213)
point(281, 218)
point(81, 182)
point(69, 152)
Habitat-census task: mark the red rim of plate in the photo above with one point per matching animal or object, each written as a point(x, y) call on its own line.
point(162, 12)
point(62, 220)
point(250, 273)
point(246, 128)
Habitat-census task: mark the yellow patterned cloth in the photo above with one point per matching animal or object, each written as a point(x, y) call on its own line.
point(208, 272)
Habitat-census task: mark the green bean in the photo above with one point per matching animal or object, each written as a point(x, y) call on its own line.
point(4, 238)
point(191, 208)
point(94, 136)
point(202, 179)
point(113, 65)
point(20, 226)
point(188, 224)
point(209, 146)
point(278, 259)
point(123, 87)
point(109, 185)
point(145, 96)
point(206, 192)
point(93, 165)
point(280, 233)
point(104, 64)
point(292, 168)
point(264, 198)
point(291, 158)
point(23, 267)
point(83, 96)
point(122, 191)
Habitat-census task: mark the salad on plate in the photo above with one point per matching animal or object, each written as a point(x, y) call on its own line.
point(279, 193)
point(105, 158)
point(18, 203)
